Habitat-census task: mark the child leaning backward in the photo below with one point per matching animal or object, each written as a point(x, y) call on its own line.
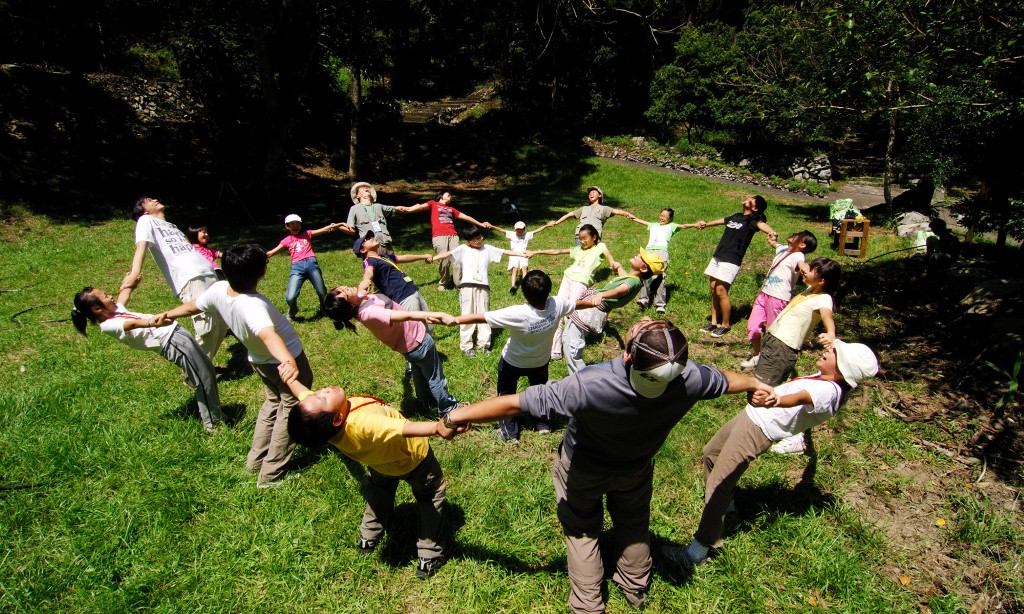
point(794, 407)
point(474, 287)
point(657, 243)
point(304, 264)
point(402, 331)
point(142, 331)
point(785, 337)
point(270, 340)
point(777, 289)
point(392, 448)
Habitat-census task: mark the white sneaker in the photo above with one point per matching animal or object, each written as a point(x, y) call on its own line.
point(751, 362)
point(790, 445)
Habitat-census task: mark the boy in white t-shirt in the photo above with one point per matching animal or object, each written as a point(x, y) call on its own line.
point(474, 286)
point(531, 327)
point(794, 407)
point(270, 341)
point(519, 241)
point(187, 272)
point(777, 289)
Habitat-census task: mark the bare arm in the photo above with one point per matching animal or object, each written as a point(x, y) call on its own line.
point(413, 209)
point(152, 322)
point(469, 318)
point(766, 229)
point(826, 338)
point(488, 410)
point(327, 228)
point(802, 397)
point(550, 252)
point(131, 278)
point(413, 257)
point(637, 220)
point(561, 219)
point(611, 261)
point(181, 311)
point(702, 224)
point(275, 251)
point(624, 213)
point(419, 316)
point(749, 384)
point(276, 346)
point(125, 292)
point(364, 284)
point(473, 220)
point(344, 227)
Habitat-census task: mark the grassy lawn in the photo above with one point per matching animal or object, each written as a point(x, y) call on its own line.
point(114, 499)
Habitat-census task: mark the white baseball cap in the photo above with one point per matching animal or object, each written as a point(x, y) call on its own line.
point(520, 225)
point(292, 218)
point(856, 361)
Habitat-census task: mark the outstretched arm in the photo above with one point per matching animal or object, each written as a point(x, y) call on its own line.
point(549, 252)
point(276, 346)
point(277, 250)
point(561, 219)
point(489, 410)
point(612, 262)
point(473, 220)
point(131, 278)
point(419, 316)
point(364, 284)
point(826, 338)
point(413, 257)
point(637, 220)
point(413, 209)
point(749, 384)
point(623, 213)
point(125, 292)
point(803, 397)
point(327, 228)
point(766, 229)
point(181, 311)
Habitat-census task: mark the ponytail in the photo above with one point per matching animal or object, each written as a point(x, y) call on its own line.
point(340, 311)
point(82, 313)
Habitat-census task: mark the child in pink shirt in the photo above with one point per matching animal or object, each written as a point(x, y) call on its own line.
point(304, 265)
point(199, 237)
point(402, 331)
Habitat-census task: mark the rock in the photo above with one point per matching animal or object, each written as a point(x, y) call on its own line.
point(908, 231)
point(913, 218)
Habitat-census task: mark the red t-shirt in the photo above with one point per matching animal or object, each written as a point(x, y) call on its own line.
point(442, 219)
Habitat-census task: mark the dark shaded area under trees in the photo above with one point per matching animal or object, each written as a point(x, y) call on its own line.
point(936, 88)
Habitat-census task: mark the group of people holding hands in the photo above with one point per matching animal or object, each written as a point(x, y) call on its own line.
point(618, 413)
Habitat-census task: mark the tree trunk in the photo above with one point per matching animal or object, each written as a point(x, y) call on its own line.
point(355, 100)
point(890, 151)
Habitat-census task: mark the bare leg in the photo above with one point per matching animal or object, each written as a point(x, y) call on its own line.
point(721, 303)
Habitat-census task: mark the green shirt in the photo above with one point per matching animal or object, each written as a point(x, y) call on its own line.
point(634, 284)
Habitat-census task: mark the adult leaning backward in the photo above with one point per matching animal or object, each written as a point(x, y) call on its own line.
point(366, 214)
point(620, 413)
point(187, 272)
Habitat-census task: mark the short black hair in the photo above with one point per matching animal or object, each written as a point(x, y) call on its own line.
point(137, 209)
point(760, 203)
point(536, 288)
point(471, 232)
point(593, 231)
point(442, 192)
point(192, 233)
point(808, 239)
point(244, 265)
point(671, 213)
point(311, 429)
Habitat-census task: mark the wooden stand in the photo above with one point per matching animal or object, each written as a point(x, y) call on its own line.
point(853, 238)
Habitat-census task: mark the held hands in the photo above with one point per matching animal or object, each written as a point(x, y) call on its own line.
point(826, 340)
point(130, 282)
point(701, 224)
point(160, 319)
point(448, 434)
point(288, 372)
point(430, 259)
point(488, 225)
point(444, 319)
point(764, 396)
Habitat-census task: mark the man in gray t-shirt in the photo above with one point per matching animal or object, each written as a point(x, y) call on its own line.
point(595, 212)
point(620, 413)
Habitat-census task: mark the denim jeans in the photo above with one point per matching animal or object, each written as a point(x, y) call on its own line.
point(428, 377)
point(304, 269)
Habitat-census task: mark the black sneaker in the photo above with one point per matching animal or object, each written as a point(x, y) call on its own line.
point(512, 290)
point(720, 332)
point(707, 328)
point(428, 567)
point(366, 546)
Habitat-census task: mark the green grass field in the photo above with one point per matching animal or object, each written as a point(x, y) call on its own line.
point(114, 499)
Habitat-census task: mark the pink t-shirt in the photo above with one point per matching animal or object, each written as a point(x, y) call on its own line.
point(402, 337)
point(211, 255)
point(299, 245)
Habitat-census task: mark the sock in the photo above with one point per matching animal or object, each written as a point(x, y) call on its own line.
point(697, 551)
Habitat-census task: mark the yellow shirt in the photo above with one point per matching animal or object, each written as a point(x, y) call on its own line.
point(373, 435)
point(798, 319)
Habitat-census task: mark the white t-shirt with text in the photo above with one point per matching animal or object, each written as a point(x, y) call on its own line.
point(246, 315)
point(173, 253)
